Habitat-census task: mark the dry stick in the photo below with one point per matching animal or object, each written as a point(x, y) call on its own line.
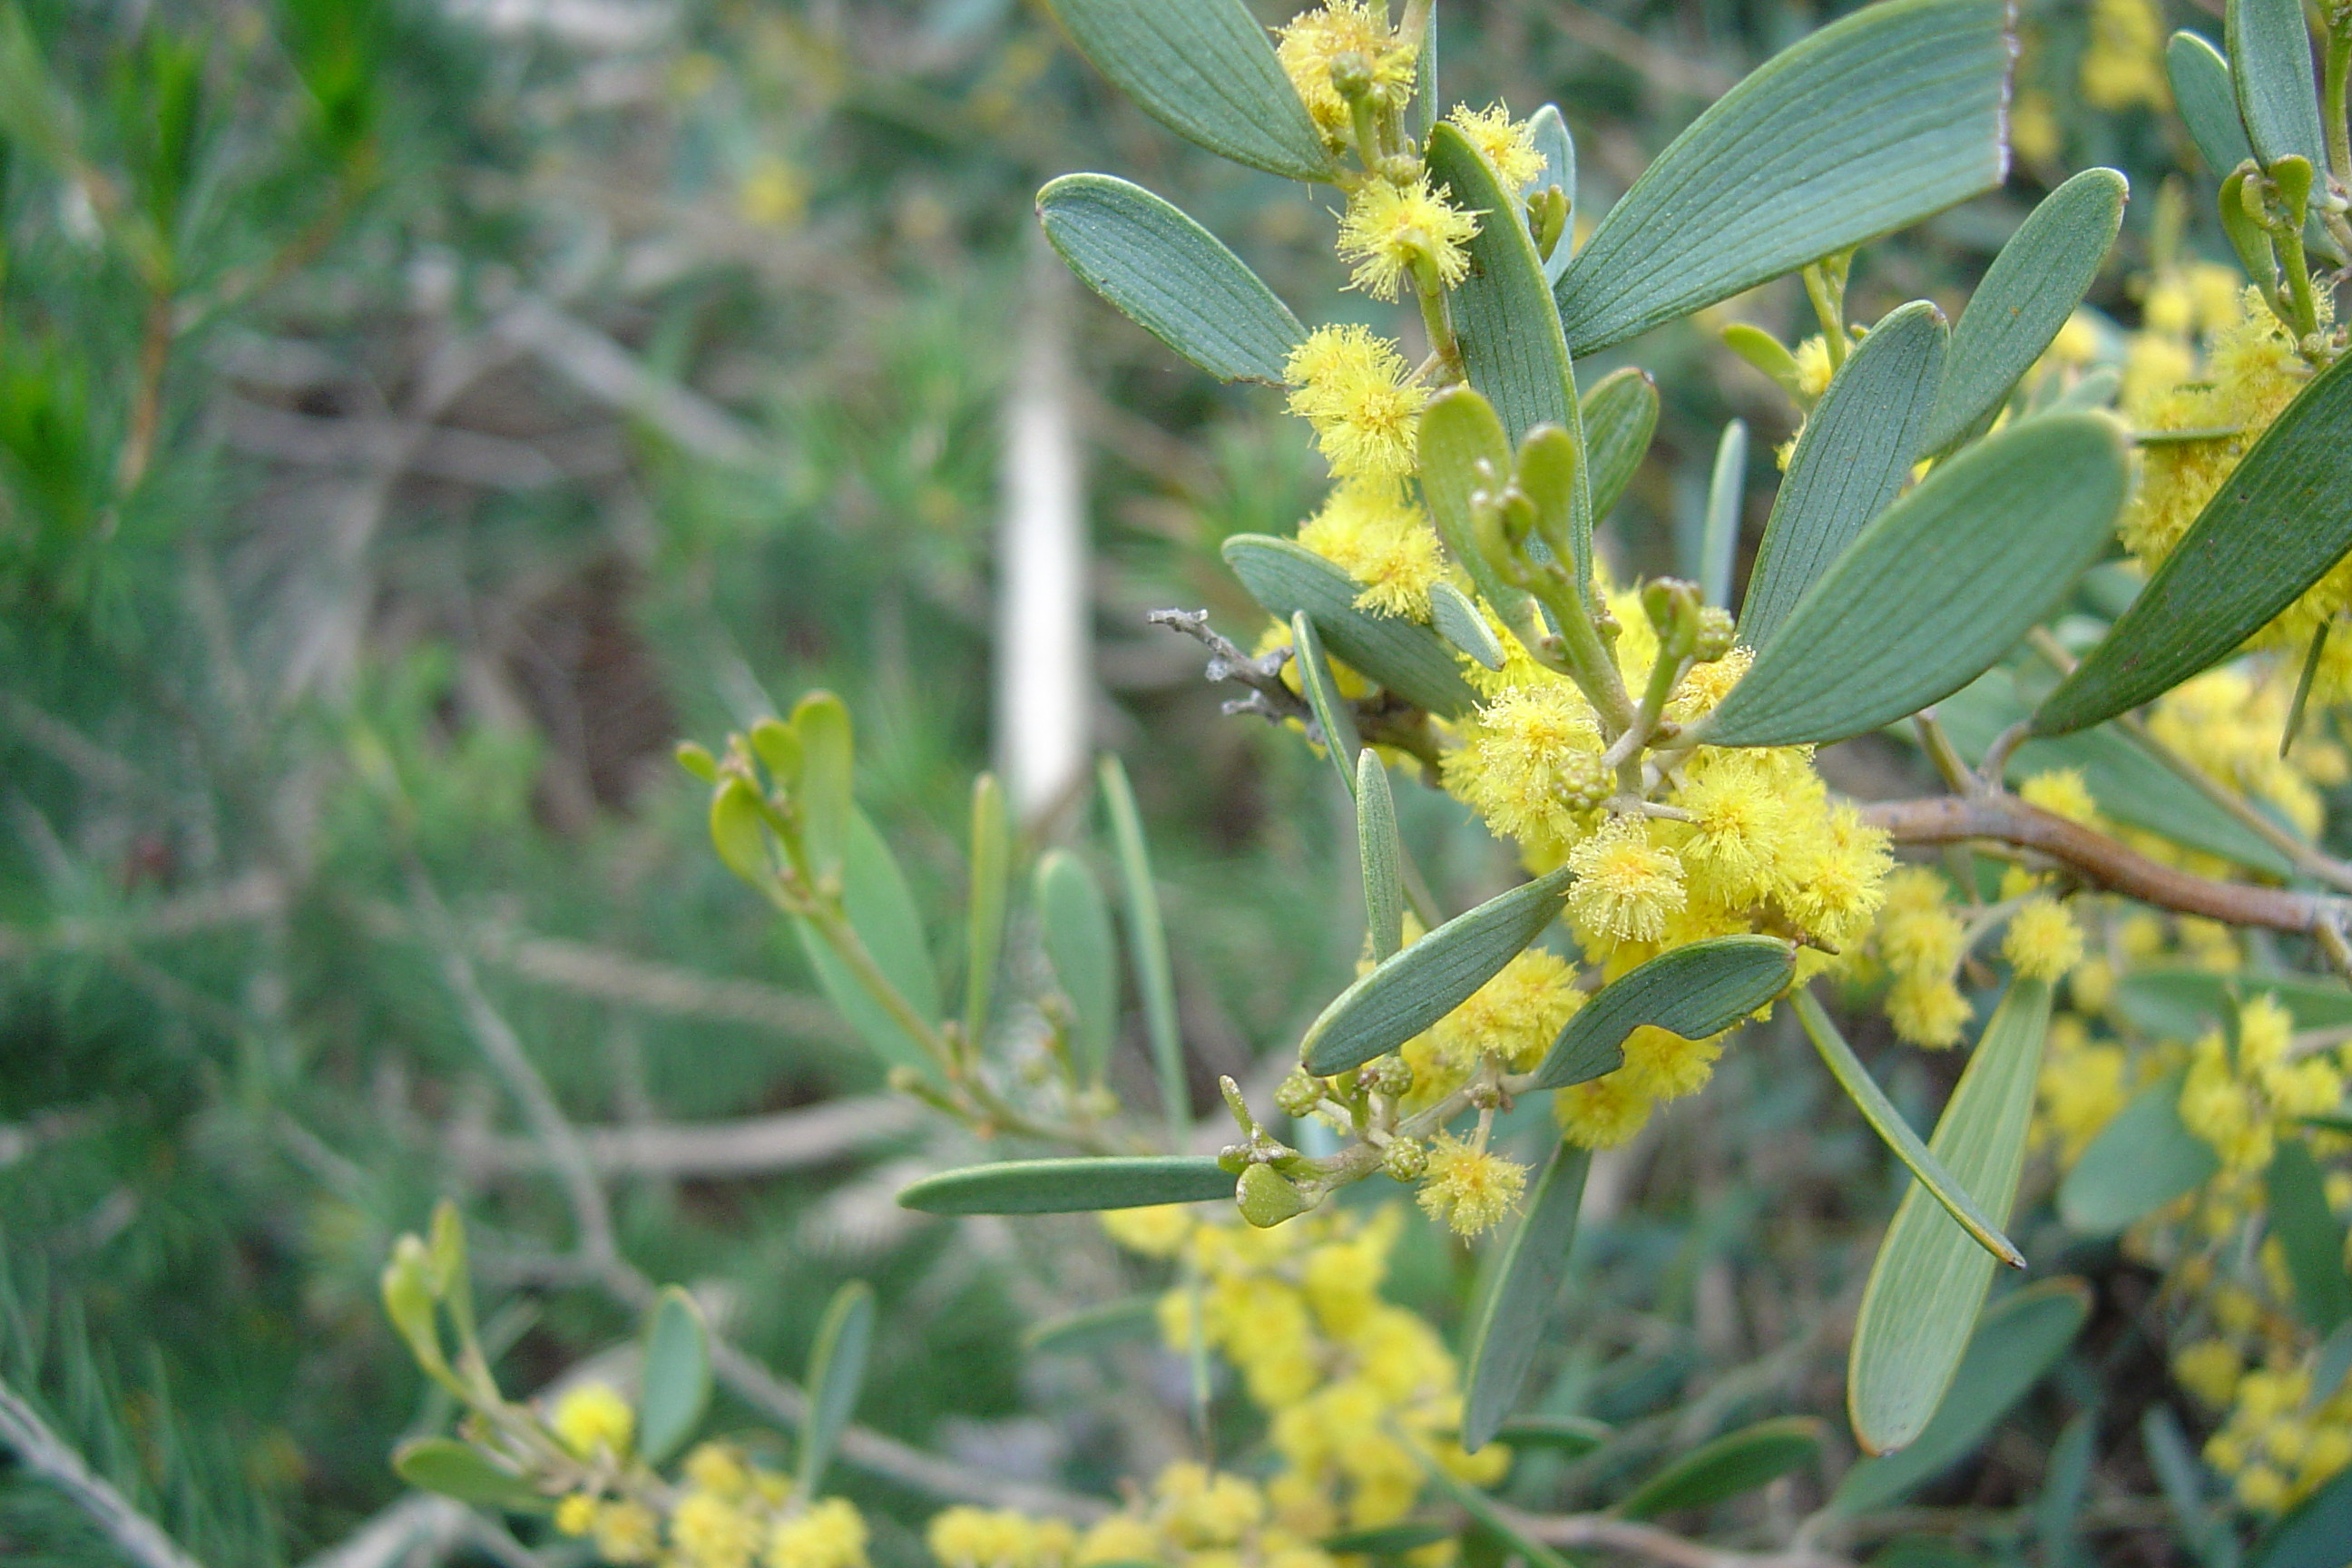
point(1610, 1532)
point(745, 1146)
point(2104, 863)
point(55, 1460)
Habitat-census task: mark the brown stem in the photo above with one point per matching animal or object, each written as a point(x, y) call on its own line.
point(2102, 861)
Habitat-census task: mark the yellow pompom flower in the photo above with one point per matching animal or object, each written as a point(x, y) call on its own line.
point(594, 1415)
point(2125, 64)
point(1529, 747)
point(830, 1534)
point(1625, 886)
point(1313, 41)
point(718, 1468)
point(576, 1514)
point(1508, 144)
point(2061, 793)
point(1930, 1013)
point(1739, 826)
point(1121, 1538)
point(2043, 941)
point(626, 1533)
point(1369, 532)
point(1156, 1230)
point(1514, 1017)
point(1601, 1114)
point(1355, 389)
point(1468, 1187)
point(2208, 1369)
point(1391, 230)
point(1813, 366)
point(967, 1537)
point(711, 1531)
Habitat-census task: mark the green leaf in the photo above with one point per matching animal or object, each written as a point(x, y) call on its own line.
point(1169, 276)
point(1383, 854)
point(2278, 92)
point(1482, 1509)
point(1620, 415)
point(1333, 716)
point(1403, 656)
point(1205, 69)
point(837, 1370)
point(1517, 1308)
point(883, 915)
point(2205, 1531)
point(1409, 993)
point(1770, 356)
point(1457, 620)
point(2281, 522)
point(821, 724)
point(677, 1380)
point(2139, 1162)
point(1931, 1276)
point(1568, 1435)
point(1095, 1327)
point(1075, 922)
point(1464, 449)
point(1147, 944)
point(2065, 1480)
point(2183, 1004)
point(1734, 1463)
point(2021, 1336)
point(2311, 1535)
point(1852, 457)
point(992, 876)
point(1693, 991)
point(1390, 1540)
point(2027, 292)
point(2310, 1234)
point(1867, 126)
point(1070, 1186)
point(2207, 100)
point(1727, 496)
point(1935, 587)
point(1512, 350)
point(458, 1470)
point(1895, 1132)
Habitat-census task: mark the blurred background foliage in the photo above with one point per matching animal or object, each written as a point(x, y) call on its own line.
point(417, 415)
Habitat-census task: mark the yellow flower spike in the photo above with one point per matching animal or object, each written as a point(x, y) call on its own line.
point(1353, 388)
point(2043, 941)
point(1626, 886)
point(594, 1415)
point(1391, 230)
point(1508, 144)
point(1468, 1187)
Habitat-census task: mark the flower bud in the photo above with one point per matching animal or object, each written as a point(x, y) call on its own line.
point(1717, 631)
point(1233, 1159)
point(1584, 781)
point(1267, 1199)
point(1299, 1093)
point(1389, 1075)
point(1405, 1159)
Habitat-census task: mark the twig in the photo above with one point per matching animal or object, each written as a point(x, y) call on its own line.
point(748, 1146)
point(2102, 862)
point(51, 1457)
point(1273, 700)
point(1647, 1540)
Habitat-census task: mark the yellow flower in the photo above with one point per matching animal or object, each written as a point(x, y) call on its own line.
point(1739, 826)
point(2034, 128)
point(1625, 886)
point(1354, 389)
point(1158, 1230)
point(576, 1514)
point(1514, 1017)
point(594, 1415)
point(1813, 366)
point(710, 1532)
point(626, 1533)
point(2061, 793)
point(718, 1468)
point(1202, 1510)
point(965, 1537)
point(1314, 40)
point(1525, 762)
point(1930, 1013)
point(1121, 1538)
point(1603, 1113)
point(2208, 1369)
point(2125, 64)
point(1369, 532)
point(2043, 941)
point(830, 1534)
point(1662, 1064)
point(1508, 144)
point(1468, 1187)
point(1391, 230)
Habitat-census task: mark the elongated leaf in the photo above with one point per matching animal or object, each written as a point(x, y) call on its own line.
point(1074, 920)
point(2278, 92)
point(1935, 587)
point(1457, 620)
point(1206, 70)
point(2311, 1237)
point(1482, 1511)
point(1726, 1465)
point(2064, 1483)
point(1147, 944)
point(1095, 1327)
point(2281, 522)
point(1463, 450)
point(2311, 1535)
point(837, 1370)
point(458, 1470)
point(2204, 1530)
point(2021, 1336)
point(1694, 990)
point(1558, 149)
point(1403, 656)
point(1858, 444)
point(1070, 1186)
point(2182, 1004)
point(883, 915)
point(1568, 1435)
point(1336, 719)
point(1930, 1276)
point(2139, 1161)
point(1512, 1319)
point(1726, 497)
point(1383, 854)
point(1895, 1132)
point(1869, 124)
point(821, 724)
point(2028, 293)
point(1400, 998)
point(2207, 100)
point(1169, 276)
point(1620, 415)
point(992, 876)
point(1391, 1540)
point(1512, 350)
point(677, 1381)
